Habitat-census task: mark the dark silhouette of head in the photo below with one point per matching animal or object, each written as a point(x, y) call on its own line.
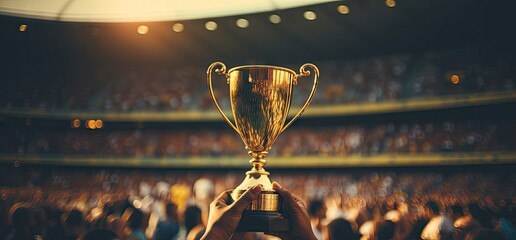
point(484, 234)
point(135, 221)
point(73, 219)
point(475, 211)
point(171, 211)
point(340, 229)
point(317, 209)
point(457, 210)
point(100, 234)
point(193, 217)
point(433, 207)
point(384, 230)
point(21, 217)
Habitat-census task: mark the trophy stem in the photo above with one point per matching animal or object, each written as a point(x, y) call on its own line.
point(258, 162)
point(263, 214)
point(256, 175)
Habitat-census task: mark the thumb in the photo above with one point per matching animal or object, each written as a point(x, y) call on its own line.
point(284, 193)
point(291, 202)
point(222, 200)
point(245, 199)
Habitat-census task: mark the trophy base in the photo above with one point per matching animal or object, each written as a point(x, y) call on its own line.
point(258, 221)
point(263, 213)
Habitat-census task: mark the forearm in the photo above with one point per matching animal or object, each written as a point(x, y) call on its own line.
point(217, 231)
point(214, 235)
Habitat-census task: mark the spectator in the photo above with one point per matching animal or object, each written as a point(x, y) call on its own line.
point(85, 191)
point(417, 228)
point(439, 227)
point(73, 225)
point(115, 225)
point(484, 234)
point(400, 216)
point(317, 213)
point(22, 223)
point(193, 222)
point(135, 225)
point(339, 229)
point(169, 228)
point(457, 211)
point(468, 223)
point(384, 230)
point(100, 234)
point(503, 221)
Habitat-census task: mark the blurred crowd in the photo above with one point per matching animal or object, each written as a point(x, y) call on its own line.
point(130, 204)
point(178, 88)
point(366, 139)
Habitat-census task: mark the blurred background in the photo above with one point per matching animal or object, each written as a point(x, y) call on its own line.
point(105, 113)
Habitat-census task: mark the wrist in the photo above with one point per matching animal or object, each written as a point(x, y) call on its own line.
point(308, 236)
point(215, 234)
point(300, 238)
point(212, 236)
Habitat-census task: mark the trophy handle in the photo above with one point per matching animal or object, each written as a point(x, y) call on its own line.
point(303, 72)
point(221, 71)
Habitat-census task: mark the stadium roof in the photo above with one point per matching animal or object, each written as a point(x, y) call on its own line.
point(141, 11)
point(280, 30)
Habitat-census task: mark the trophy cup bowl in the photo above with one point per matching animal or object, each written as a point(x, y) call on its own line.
point(260, 97)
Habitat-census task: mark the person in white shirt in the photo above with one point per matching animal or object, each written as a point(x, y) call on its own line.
point(440, 226)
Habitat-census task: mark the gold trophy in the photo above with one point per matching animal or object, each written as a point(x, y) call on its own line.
point(260, 99)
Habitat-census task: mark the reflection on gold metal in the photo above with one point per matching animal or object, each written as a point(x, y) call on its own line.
point(267, 201)
point(260, 97)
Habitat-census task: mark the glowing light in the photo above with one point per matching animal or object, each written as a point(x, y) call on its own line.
point(137, 204)
point(96, 212)
point(242, 23)
point(99, 123)
point(211, 26)
point(178, 27)
point(90, 124)
point(76, 123)
point(343, 9)
point(310, 15)
point(455, 79)
point(275, 18)
point(390, 3)
point(143, 29)
point(23, 27)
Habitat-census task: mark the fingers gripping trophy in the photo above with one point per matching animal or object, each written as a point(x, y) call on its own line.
point(260, 97)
